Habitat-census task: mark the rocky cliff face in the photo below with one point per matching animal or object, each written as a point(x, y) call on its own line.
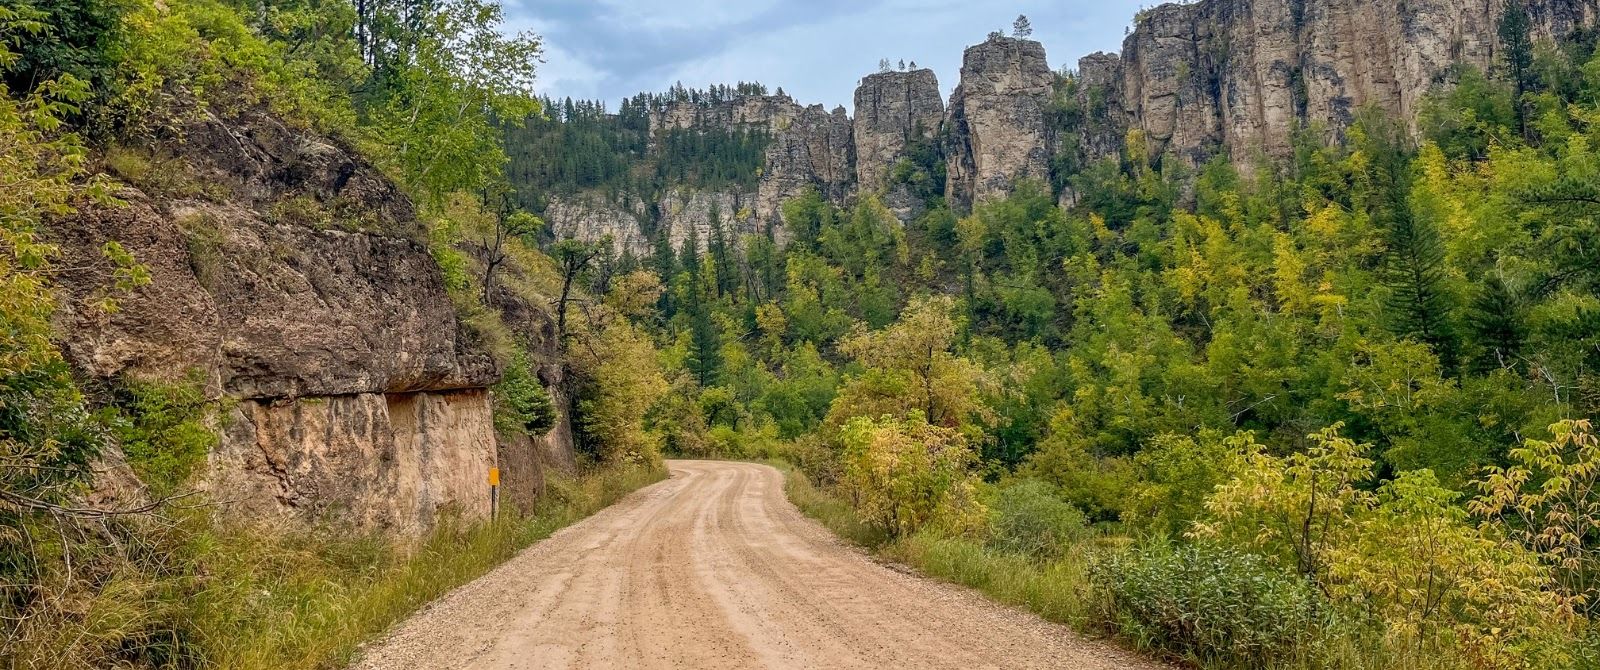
point(288, 278)
point(893, 109)
point(1239, 75)
point(1214, 76)
point(808, 147)
point(997, 119)
point(590, 218)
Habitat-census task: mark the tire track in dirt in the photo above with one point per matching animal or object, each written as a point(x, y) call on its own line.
point(715, 569)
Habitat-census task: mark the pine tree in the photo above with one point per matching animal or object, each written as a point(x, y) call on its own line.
point(721, 258)
point(1515, 38)
point(1414, 265)
point(1021, 28)
point(705, 345)
point(1498, 326)
point(689, 257)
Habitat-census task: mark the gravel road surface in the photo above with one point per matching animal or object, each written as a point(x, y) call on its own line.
point(714, 568)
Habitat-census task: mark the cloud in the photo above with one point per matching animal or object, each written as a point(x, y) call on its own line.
point(815, 49)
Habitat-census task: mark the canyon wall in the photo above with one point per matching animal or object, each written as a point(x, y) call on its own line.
point(893, 109)
point(288, 280)
point(1233, 77)
point(1240, 75)
point(808, 147)
point(999, 134)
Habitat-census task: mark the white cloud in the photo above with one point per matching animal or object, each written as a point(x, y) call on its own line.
point(815, 49)
point(565, 75)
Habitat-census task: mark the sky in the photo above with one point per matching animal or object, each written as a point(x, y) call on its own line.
point(816, 50)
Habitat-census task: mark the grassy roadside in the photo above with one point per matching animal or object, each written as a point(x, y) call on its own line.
point(315, 613)
point(249, 598)
point(1057, 591)
point(1061, 589)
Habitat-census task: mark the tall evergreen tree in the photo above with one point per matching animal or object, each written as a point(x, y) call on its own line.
point(689, 258)
point(1516, 39)
point(1498, 325)
point(721, 255)
point(665, 264)
point(705, 345)
point(1414, 264)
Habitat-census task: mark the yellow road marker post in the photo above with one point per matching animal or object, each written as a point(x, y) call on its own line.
point(494, 492)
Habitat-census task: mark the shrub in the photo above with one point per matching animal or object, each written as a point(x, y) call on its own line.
point(1560, 517)
point(621, 380)
point(1405, 554)
point(1213, 604)
point(905, 474)
point(521, 403)
point(1176, 474)
point(1027, 518)
point(165, 430)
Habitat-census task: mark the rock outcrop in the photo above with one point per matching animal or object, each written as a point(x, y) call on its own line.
point(1241, 75)
point(893, 109)
point(287, 277)
point(813, 150)
point(1199, 79)
point(997, 122)
point(393, 461)
point(807, 147)
point(590, 218)
point(685, 209)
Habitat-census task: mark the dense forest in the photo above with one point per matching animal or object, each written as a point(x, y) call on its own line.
point(1333, 410)
point(578, 146)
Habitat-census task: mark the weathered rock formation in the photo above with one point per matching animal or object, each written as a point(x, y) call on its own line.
point(590, 218)
point(288, 278)
point(1214, 76)
point(893, 109)
point(999, 133)
point(808, 147)
point(1241, 75)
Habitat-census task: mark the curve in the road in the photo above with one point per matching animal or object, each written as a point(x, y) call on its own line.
point(714, 568)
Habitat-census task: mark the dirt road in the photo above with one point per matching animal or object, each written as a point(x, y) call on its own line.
point(715, 569)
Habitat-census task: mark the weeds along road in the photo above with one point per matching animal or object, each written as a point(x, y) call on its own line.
point(714, 568)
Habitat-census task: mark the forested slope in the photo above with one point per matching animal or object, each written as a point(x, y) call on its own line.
point(271, 320)
point(1329, 405)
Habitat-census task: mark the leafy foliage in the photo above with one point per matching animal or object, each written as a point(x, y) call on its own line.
point(906, 473)
point(1213, 604)
point(1028, 518)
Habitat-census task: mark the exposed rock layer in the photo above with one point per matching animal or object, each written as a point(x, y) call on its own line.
point(893, 109)
point(287, 277)
point(1241, 75)
point(999, 134)
point(1235, 76)
point(392, 461)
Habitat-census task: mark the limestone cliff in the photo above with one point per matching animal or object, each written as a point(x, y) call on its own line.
point(997, 122)
point(590, 218)
point(1198, 79)
point(1240, 75)
point(288, 276)
point(807, 147)
point(893, 109)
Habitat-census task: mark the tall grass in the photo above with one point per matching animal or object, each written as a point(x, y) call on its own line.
point(210, 595)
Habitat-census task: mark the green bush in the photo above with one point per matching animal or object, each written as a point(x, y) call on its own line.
point(1027, 518)
point(1211, 604)
point(521, 403)
point(165, 430)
